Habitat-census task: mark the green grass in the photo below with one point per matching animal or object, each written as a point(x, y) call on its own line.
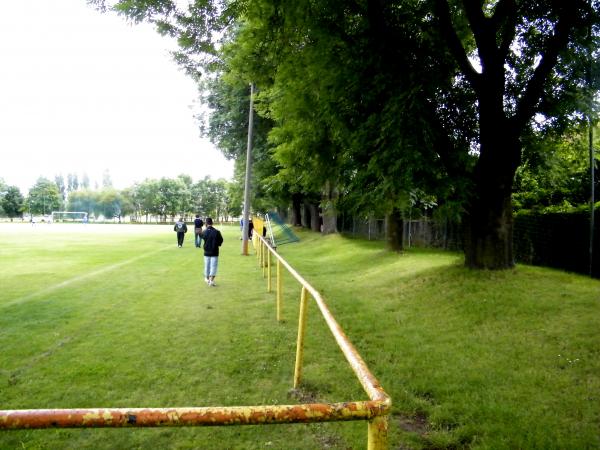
point(471, 359)
point(492, 360)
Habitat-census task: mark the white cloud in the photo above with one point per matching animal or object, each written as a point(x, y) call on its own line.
point(82, 92)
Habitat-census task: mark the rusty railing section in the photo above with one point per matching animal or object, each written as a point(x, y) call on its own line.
point(378, 425)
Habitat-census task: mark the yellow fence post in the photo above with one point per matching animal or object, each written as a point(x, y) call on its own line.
point(279, 290)
point(268, 271)
point(300, 341)
point(262, 258)
point(378, 433)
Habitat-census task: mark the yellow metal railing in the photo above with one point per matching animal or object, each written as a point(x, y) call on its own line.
point(375, 410)
point(379, 403)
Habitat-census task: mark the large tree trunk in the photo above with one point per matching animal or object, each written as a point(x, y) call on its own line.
point(306, 215)
point(488, 222)
point(489, 231)
point(329, 209)
point(315, 218)
point(395, 231)
point(296, 210)
point(311, 219)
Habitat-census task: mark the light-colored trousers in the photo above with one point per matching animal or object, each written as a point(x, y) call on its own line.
point(210, 266)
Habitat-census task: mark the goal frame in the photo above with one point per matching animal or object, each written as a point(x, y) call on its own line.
point(65, 215)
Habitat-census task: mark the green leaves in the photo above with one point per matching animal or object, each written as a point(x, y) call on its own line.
point(44, 197)
point(12, 202)
point(381, 99)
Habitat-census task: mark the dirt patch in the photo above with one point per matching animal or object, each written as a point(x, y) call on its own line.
point(413, 424)
point(321, 433)
point(304, 395)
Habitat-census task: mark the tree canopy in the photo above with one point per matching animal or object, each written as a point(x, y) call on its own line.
point(367, 103)
point(44, 197)
point(11, 201)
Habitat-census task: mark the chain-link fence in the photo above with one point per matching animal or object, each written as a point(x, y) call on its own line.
point(559, 240)
point(418, 233)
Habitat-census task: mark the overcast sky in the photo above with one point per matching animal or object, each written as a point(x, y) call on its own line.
point(82, 92)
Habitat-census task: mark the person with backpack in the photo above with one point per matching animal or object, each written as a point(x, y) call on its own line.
point(198, 224)
point(212, 241)
point(181, 228)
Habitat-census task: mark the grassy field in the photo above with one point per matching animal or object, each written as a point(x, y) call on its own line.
point(118, 316)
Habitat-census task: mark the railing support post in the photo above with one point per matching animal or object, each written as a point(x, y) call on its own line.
point(268, 271)
point(262, 258)
point(300, 341)
point(378, 433)
point(279, 290)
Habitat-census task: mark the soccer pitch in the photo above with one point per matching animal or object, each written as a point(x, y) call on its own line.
point(98, 316)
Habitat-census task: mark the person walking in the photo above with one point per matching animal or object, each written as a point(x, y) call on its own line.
point(198, 224)
point(181, 228)
point(212, 241)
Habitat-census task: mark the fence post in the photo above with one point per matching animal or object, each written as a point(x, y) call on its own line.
point(378, 433)
point(300, 341)
point(262, 258)
point(268, 271)
point(279, 289)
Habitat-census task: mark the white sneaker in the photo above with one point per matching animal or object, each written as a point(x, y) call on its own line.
point(207, 281)
point(212, 283)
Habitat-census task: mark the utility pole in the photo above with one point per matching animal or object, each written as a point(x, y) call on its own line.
point(246, 215)
point(592, 155)
point(592, 191)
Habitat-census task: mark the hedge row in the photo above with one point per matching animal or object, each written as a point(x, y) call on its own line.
point(559, 240)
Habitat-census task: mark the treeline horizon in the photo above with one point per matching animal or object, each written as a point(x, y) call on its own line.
point(164, 198)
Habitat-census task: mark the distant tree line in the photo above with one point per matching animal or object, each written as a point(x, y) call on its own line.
point(158, 200)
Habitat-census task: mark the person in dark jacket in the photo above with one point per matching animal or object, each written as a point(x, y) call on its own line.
point(212, 241)
point(181, 228)
point(198, 224)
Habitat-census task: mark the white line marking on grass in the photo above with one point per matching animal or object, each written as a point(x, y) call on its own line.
point(78, 278)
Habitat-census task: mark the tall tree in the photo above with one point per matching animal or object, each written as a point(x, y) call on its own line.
point(85, 182)
point(529, 60)
point(3, 190)
point(227, 95)
point(44, 197)
point(147, 197)
point(389, 96)
point(12, 202)
point(72, 182)
point(555, 172)
point(172, 197)
point(83, 200)
point(106, 179)
point(109, 204)
point(60, 184)
point(200, 197)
